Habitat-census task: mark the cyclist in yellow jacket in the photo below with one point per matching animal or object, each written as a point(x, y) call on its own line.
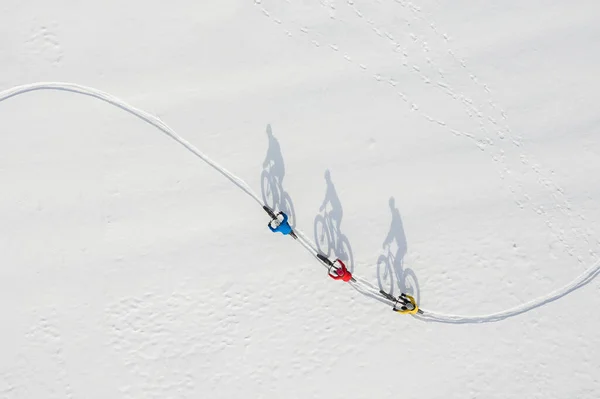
point(408, 304)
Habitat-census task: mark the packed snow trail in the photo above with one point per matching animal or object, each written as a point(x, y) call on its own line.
point(361, 285)
point(151, 119)
point(585, 278)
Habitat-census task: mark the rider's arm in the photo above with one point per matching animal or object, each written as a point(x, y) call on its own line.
point(389, 238)
point(325, 201)
point(285, 218)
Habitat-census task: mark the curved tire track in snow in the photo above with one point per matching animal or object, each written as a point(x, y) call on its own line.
point(361, 285)
point(154, 121)
point(146, 117)
point(579, 282)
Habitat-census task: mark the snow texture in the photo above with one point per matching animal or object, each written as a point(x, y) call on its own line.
point(445, 149)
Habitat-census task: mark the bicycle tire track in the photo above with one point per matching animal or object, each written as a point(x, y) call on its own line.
point(361, 285)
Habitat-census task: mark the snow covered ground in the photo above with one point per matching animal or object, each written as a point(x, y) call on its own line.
point(463, 134)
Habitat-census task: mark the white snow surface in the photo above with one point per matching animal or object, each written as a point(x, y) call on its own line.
point(464, 134)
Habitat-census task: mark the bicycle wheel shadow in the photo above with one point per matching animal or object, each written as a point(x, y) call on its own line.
point(271, 180)
point(327, 232)
point(391, 271)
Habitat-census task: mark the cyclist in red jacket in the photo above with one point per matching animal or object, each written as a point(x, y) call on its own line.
point(338, 271)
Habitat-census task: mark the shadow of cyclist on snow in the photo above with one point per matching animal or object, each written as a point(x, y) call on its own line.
point(392, 262)
point(271, 180)
point(328, 236)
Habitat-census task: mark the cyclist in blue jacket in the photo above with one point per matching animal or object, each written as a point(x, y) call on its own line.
point(280, 224)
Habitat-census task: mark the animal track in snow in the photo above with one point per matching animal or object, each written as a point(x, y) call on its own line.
point(43, 43)
point(492, 135)
point(44, 351)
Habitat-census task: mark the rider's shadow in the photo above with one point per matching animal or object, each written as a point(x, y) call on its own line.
point(271, 180)
point(327, 232)
point(391, 272)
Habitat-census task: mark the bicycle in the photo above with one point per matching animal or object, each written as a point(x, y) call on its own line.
point(275, 197)
point(329, 240)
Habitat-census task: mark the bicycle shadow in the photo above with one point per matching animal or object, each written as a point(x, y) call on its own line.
point(271, 180)
point(327, 231)
point(391, 272)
